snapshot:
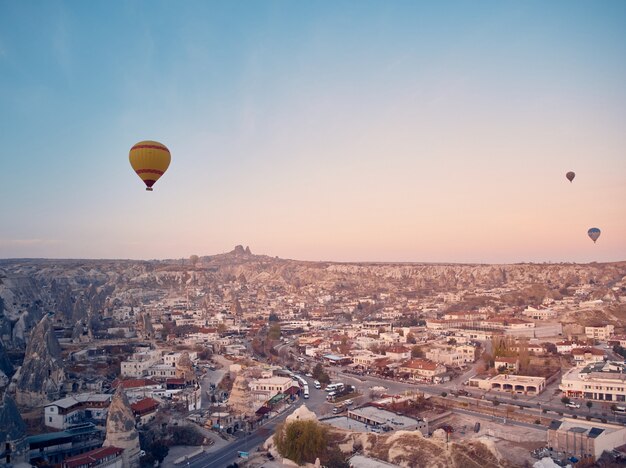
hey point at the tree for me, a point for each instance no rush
(274, 331)
(301, 441)
(319, 374)
(273, 317)
(589, 405)
(194, 260)
(417, 352)
(565, 400)
(410, 338)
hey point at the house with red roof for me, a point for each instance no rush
(109, 457)
(145, 410)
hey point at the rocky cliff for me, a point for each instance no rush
(121, 430)
(41, 377)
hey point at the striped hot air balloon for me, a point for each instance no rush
(150, 160)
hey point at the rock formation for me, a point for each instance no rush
(121, 430)
(41, 377)
(6, 368)
(14, 448)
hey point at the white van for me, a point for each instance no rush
(317, 384)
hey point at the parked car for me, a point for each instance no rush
(571, 404)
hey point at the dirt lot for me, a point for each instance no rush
(521, 440)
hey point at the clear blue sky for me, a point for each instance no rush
(382, 130)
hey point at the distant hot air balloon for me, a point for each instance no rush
(150, 160)
(594, 233)
(570, 175)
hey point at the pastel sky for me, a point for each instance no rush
(316, 130)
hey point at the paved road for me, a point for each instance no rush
(249, 443)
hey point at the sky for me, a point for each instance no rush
(362, 130)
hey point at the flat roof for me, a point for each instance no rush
(382, 416)
(502, 378)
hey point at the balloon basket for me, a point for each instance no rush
(149, 189)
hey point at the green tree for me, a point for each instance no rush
(273, 318)
(274, 331)
(410, 338)
(301, 441)
(320, 375)
(417, 352)
(565, 400)
(589, 405)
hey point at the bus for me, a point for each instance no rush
(620, 409)
(334, 387)
(306, 391)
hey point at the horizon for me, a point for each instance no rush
(397, 132)
(274, 257)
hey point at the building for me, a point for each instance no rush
(139, 363)
(603, 381)
(446, 356)
(584, 356)
(422, 369)
(398, 353)
(600, 332)
(566, 347)
(373, 416)
(539, 314)
(77, 409)
(507, 363)
(145, 410)
(53, 447)
(273, 385)
(171, 359)
(521, 384)
(103, 457)
(336, 360)
(583, 439)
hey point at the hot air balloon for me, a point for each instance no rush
(150, 160)
(570, 175)
(594, 233)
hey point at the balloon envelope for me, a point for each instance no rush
(570, 176)
(594, 233)
(150, 160)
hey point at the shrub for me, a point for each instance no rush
(301, 441)
(537, 421)
(444, 394)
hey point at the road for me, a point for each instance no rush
(212, 377)
(247, 443)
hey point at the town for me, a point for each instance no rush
(200, 361)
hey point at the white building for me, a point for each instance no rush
(138, 363)
(584, 356)
(539, 314)
(273, 385)
(76, 409)
(603, 381)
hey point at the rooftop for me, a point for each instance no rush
(74, 400)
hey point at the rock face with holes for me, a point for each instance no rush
(121, 430)
(14, 447)
(42, 375)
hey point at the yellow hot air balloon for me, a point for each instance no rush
(150, 160)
